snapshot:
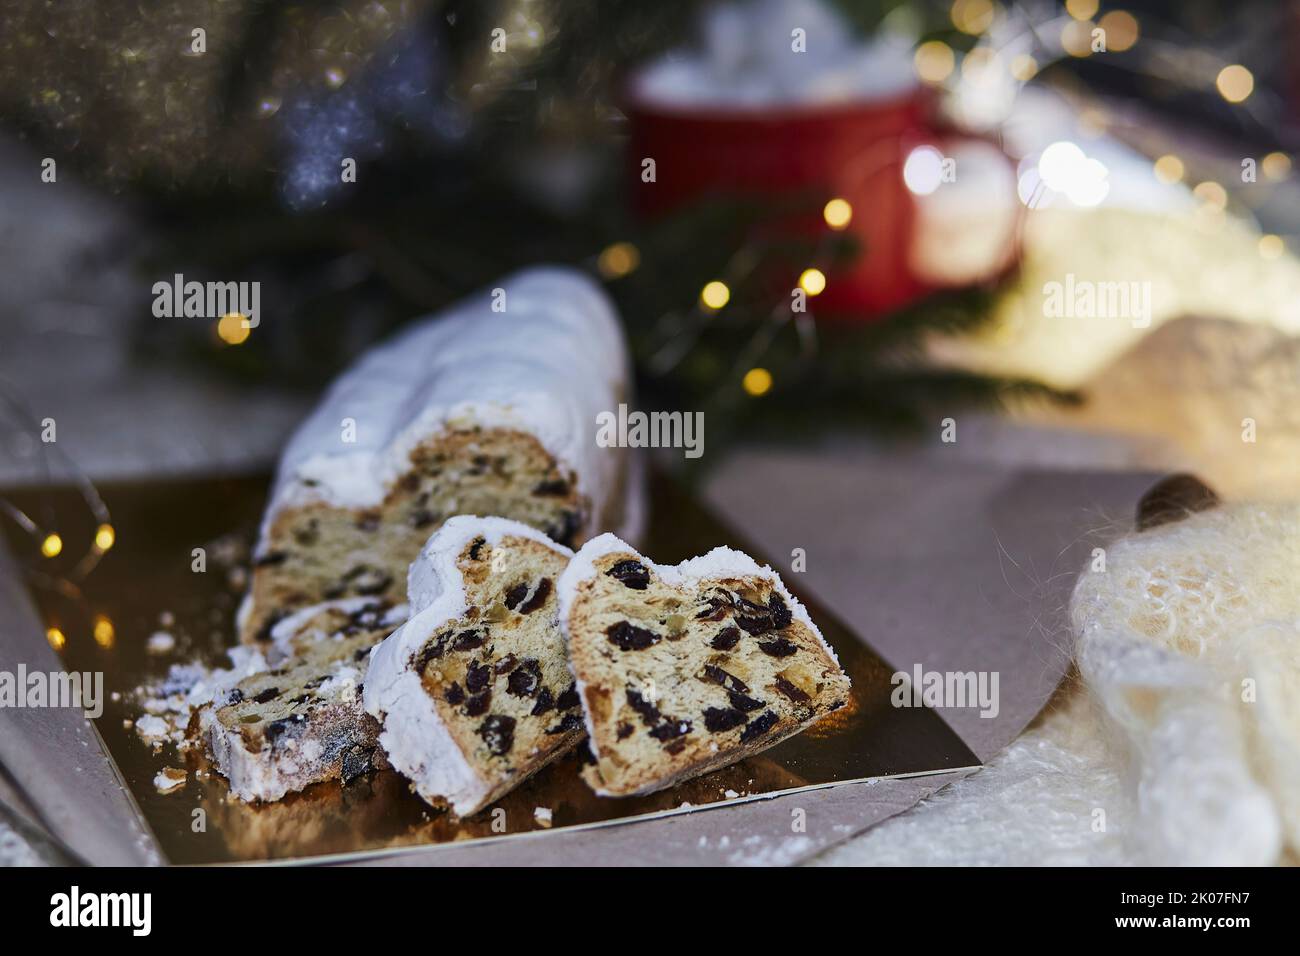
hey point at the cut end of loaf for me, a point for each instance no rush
(301, 722)
(316, 551)
(689, 668)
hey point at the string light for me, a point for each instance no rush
(1076, 38)
(1081, 9)
(105, 537)
(1169, 169)
(50, 545)
(837, 213)
(1235, 83)
(1211, 194)
(812, 281)
(618, 260)
(972, 17)
(1271, 247)
(1093, 122)
(1024, 67)
(934, 62)
(1276, 166)
(104, 631)
(233, 329)
(1121, 30)
(715, 295)
(923, 170)
(757, 381)
(56, 638)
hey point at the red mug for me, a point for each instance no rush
(855, 151)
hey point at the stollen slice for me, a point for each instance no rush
(688, 668)
(474, 691)
(300, 721)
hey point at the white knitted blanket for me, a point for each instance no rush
(1183, 744)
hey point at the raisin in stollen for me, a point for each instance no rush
(685, 669)
(472, 411)
(301, 720)
(474, 691)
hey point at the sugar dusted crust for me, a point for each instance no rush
(474, 692)
(475, 410)
(685, 669)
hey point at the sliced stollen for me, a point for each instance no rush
(685, 669)
(487, 408)
(301, 721)
(474, 691)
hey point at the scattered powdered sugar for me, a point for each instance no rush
(169, 778)
(169, 703)
(341, 683)
(760, 851)
(152, 728)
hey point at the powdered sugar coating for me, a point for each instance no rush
(415, 738)
(292, 630)
(431, 573)
(547, 364)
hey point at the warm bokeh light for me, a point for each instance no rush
(1169, 169)
(1211, 194)
(1093, 122)
(757, 381)
(837, 213)
(1235, 83)
(105, 537)
(1276, 166)
(56, 638)
(978, 61)
(618, 260)
(1271, 247)
(1024, 67)
(934, 61)
(1076, 37)
(1081, 9)
(233, 329)
(52, 546)
(812, 281)
(104, 631)
(1122, 30)
(715, 295)
(972, 16)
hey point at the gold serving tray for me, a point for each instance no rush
(147, 579)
